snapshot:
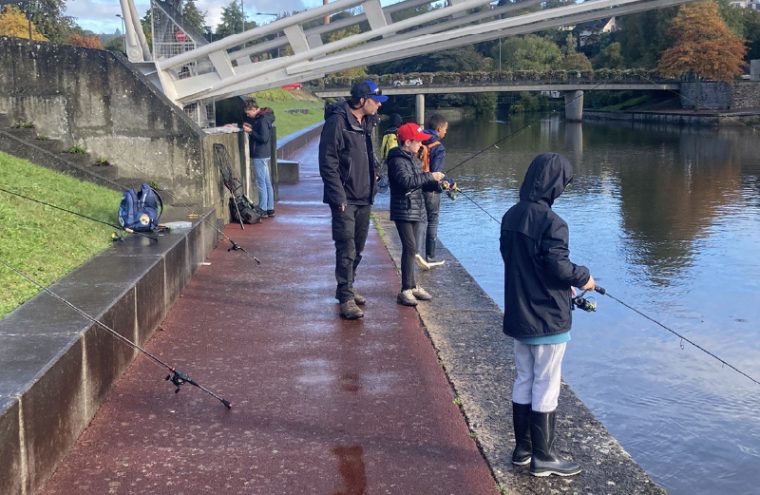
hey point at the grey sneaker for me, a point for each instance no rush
(350, 311)
(421, 294)
(406, 298)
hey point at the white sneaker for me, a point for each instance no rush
(421, 294)
(406, 297)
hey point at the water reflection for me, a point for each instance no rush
(668, 219)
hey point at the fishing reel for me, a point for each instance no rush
(587, 304)
(178, 379)
(451, 188)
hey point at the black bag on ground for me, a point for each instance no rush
(248, 213)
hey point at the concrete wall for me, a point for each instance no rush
(737, 95)
(97, 100)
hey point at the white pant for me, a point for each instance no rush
(539, 372)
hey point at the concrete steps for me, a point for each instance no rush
(24, 142)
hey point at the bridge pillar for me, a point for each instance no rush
(420, 107)
(574, 106)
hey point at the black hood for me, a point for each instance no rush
(266, 113)
(547, 177)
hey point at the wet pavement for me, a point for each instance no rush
(320, 405)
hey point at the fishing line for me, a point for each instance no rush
(118, 227)
(603, 291)
(177, 377)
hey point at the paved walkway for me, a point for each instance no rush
(320, 405)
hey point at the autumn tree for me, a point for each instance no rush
(83, 40)
(704, 45)
(14, 23)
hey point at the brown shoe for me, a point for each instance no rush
(359, 299)
(350, 311)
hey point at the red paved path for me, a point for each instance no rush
(320, 405)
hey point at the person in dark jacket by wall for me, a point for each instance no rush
(258, 125)
(538, 286)
(407, 182)
(347, 167)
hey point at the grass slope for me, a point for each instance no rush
(293, 110)
(43, 242)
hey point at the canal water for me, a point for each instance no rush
(668, 221)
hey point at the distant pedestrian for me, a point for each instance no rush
(347, 167)
(538, 286)
(258, 125)
(407, 183)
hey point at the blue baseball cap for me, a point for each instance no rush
(368, 89)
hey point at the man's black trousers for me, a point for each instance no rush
(349, 231)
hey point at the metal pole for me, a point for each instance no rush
(124, 26)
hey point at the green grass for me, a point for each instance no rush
(41, 241)
(281, 101)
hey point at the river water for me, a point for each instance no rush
(668, 221)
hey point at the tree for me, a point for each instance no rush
(574, 60)
(83, 40)
(233, 21)
(529, 52)
(14, 23)
(644, 36)
(48, 16)
(610, 57)
(194, 17)
(704, 45)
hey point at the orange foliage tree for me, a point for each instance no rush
(14, 23)
(704, 45)
(84, 40)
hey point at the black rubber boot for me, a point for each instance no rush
(544, 461)
(523, 447)
(430, 249)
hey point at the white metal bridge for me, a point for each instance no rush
(299, 48)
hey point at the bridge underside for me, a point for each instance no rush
(301, 47)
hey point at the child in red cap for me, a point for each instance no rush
(407, 181)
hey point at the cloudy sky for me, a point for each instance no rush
(99, 16)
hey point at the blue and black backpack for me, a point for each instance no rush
(140, 210)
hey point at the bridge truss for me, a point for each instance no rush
(299, 48)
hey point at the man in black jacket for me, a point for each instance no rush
(347, 167)
(538, 286)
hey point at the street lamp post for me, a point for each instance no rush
(124, 26)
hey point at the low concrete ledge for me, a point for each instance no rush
(56, 366)
(465, 325)
(288, 171)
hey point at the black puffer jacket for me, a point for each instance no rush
(407, 181)
(346, 160)
(260, 138)
(538, 273)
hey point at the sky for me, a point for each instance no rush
(99, 16)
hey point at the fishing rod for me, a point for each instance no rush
(116, 237)
(177, 377)
(590, 305)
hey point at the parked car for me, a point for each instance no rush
(411, 82)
